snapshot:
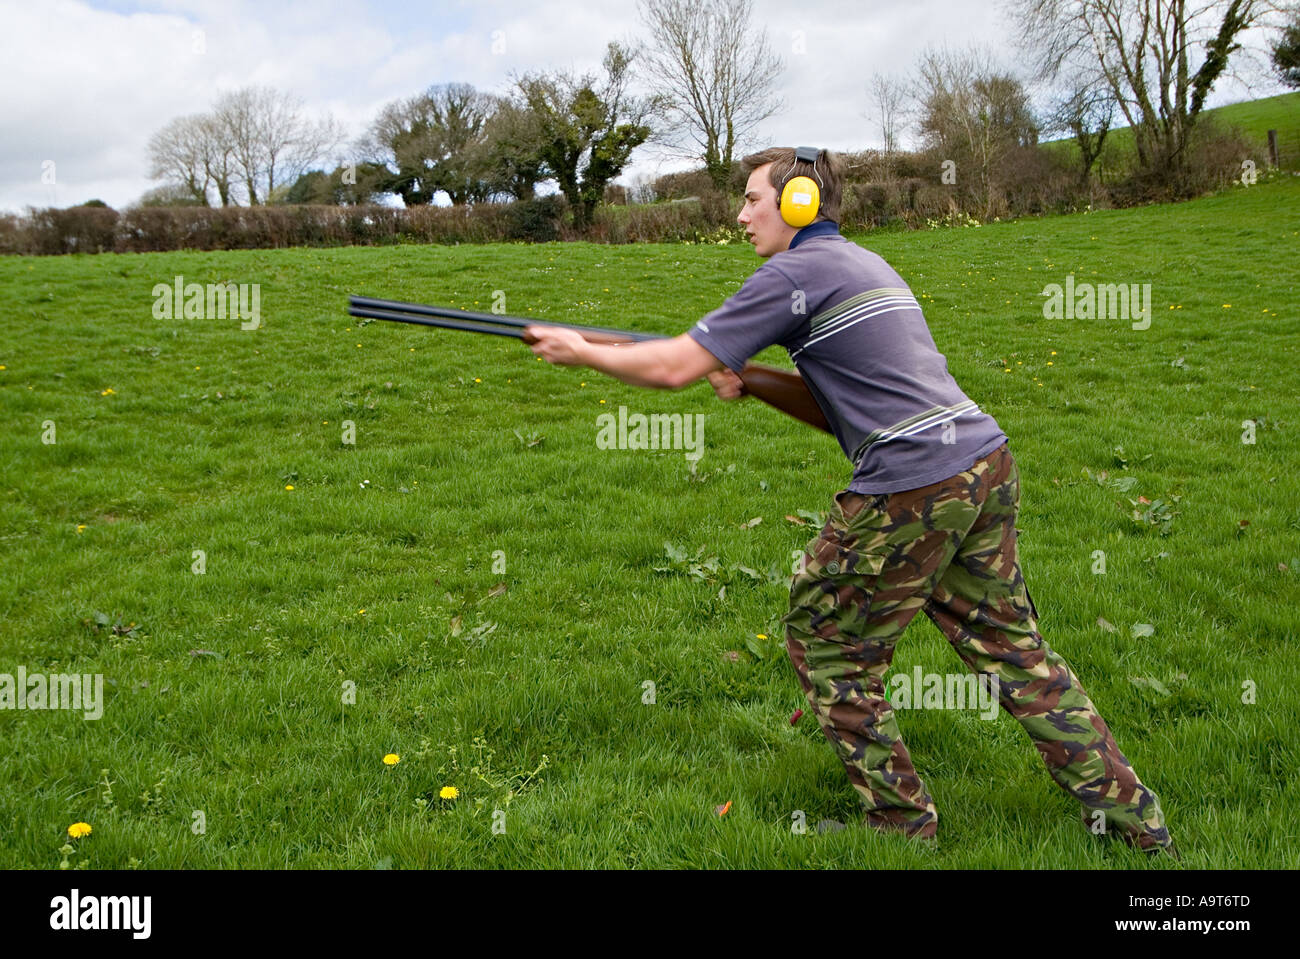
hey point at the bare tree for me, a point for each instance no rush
(1085, 114)
(177, 155)
(218, 158)
(1142, 52)
(715, 74)
(270, 140)
(973, 114)
(888, 108)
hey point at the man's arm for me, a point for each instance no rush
(667, 364)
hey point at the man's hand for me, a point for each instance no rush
(726, 384)
(558, 345)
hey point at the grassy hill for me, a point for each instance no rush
(472, 584)
(1253, 117)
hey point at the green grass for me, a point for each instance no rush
(226, 695)
(1257, 117)
(1253, 117)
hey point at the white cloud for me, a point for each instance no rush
(87, 87)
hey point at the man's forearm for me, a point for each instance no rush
(638, 364)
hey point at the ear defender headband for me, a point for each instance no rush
(801, 198)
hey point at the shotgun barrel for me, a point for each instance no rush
(781, 389)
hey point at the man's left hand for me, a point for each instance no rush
(558, 345)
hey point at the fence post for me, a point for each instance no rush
(1272, 149)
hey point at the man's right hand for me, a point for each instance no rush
(726, 384)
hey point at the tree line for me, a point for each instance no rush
(1092, 64)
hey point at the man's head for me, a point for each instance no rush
(768, 171)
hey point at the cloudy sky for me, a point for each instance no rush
(86, 83)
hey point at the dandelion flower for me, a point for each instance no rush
(288, 487)
(79, 829)
(392, 759)
(477, 380)
(80, 527)
(448, 792)
(761, 635)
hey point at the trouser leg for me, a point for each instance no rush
(984, 609)
(863, 579)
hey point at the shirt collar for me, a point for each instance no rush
(821, 228)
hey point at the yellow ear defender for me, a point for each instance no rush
(802, 197)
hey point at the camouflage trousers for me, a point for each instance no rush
(948, 549)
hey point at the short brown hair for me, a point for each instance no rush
(785, 168)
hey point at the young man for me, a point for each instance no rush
(927, 522)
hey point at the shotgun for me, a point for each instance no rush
(784, 390)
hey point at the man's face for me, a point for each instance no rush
(761, 215)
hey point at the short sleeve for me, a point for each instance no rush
(762, 312)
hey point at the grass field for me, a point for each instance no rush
(1254, 118)
(484, 576)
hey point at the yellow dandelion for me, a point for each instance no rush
(1227, 306)
(288, 487)
(1049, 362)
(477, 380)
(79, 829)
(448, 792)
(360, 611)
(107, 391)
(761, 635)
(602, 401)
(3, 367)
(80, 527)
(392, 759)
(1053, 352)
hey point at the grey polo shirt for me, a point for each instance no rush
(859, 340)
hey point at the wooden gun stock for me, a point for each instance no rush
(784, 390)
